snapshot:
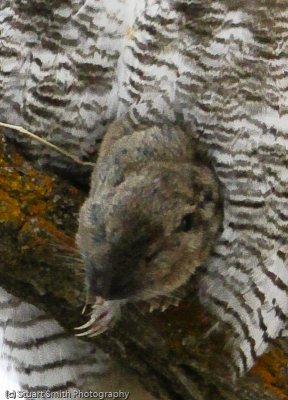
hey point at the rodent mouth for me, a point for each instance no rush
(122, 291)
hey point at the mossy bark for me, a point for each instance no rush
(170, 351)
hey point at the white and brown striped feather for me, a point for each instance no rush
(217, 67)
(39, 354)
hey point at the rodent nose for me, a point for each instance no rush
(111, 287)
(111, 277)
(99, 286)
(120, 289)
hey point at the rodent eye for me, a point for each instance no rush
(187, 222)
(208, 196)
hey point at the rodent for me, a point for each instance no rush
(152, 215)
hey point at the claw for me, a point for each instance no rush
(84, 309)
(87, 324)
(88, 333)
(176, 302)
(99, 332)
(162, 303)
(100, 329)
(102, 316)
(164, 307)
(97, 328)
(91, 300)
(81, 334)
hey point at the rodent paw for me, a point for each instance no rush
(102, 317)
(162, 303)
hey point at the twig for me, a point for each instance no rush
(46, 143)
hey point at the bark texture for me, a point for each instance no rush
(171, 351)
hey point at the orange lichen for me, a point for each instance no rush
(270, 368)
(9, 207)
(29, 205)
(23, 190)
(25, 193)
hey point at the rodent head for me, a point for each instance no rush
(144, 235)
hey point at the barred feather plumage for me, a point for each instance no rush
(218, 68)
(40, 354)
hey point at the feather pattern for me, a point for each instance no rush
(218, 68)
(40, 354)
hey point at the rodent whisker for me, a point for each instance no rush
(158, 294)
(64, 246)
(70, 259)
(70, 256)
(64, 262)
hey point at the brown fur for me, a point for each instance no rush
(152, 215)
